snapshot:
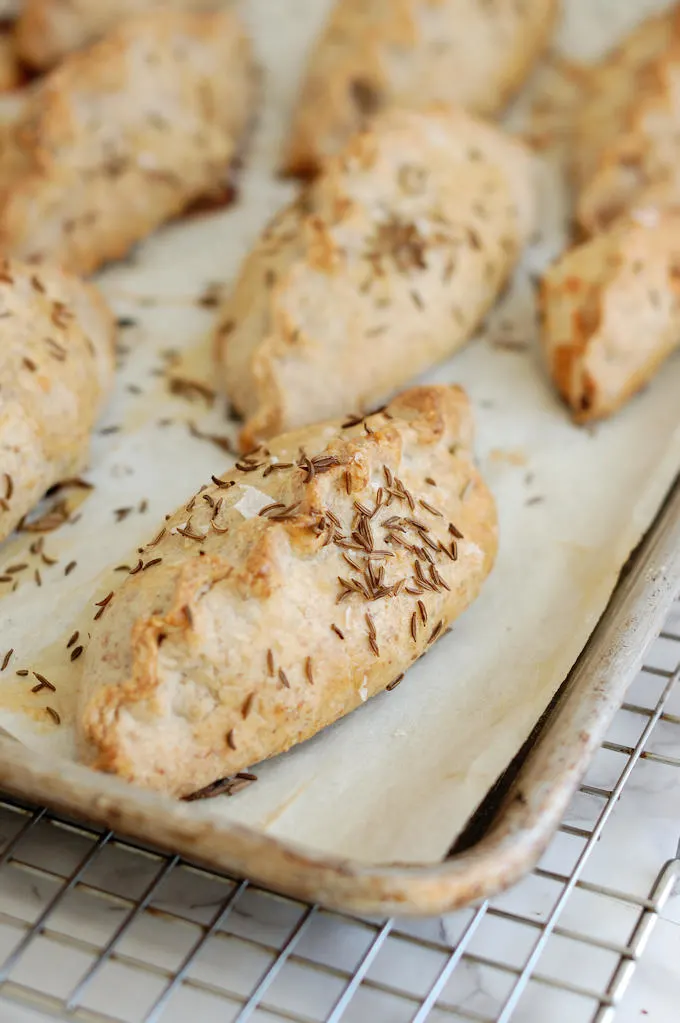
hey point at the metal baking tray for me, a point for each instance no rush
(504, 839)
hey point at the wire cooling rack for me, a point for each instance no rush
(97, 929)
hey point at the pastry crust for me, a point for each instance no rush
(386, 265)
(124, 135)
(626, 149)
(244, 633)
(47, 30)
(56, 369)
(611, 314)
(11, 75)
(374, 54)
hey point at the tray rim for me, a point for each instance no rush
(520, 829)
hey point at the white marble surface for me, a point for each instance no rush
(641, 834)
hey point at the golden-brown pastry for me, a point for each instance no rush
(626, 146)
(123, 136)
(611, 314)
(56, 369)
(386, 265)
(287, 592)
(11, 75)
(47, 30)
(374, 54)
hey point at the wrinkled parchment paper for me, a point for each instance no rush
(397, 779)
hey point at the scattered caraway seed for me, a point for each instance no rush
(223, 787)
(106, 430)
(231, 741)
(69, 568)
(309, 671)
(338, 632)
(247, 705)
(395, 683)
(102, 605)
(454, 531)
(150, 564)
(283, 678)
(73, 639)
(44, 683)
(143, 506)
(53, 714)
(22, 672)
(430, 508)
(534, 500)
(124, 322)
(122, 513)
(76, 652)
(223, 484)
(7, 658)
(436, 632)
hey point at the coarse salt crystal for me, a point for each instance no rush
(252, 502)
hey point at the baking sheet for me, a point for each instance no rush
(398, 779)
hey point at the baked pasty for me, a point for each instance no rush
(611, 313)
(374, 54)
(626, 149)
(56, 368)
(287, 592)
(47, 30)
(386, 265)
(124, 135)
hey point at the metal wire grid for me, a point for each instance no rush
(97, 929)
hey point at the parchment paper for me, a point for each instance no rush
(397, 779)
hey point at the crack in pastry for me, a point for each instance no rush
(47, 30)
(384, 266)
(56, 369)
(611, 314)
(283, 594)
(123, 136)
(375, 54)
